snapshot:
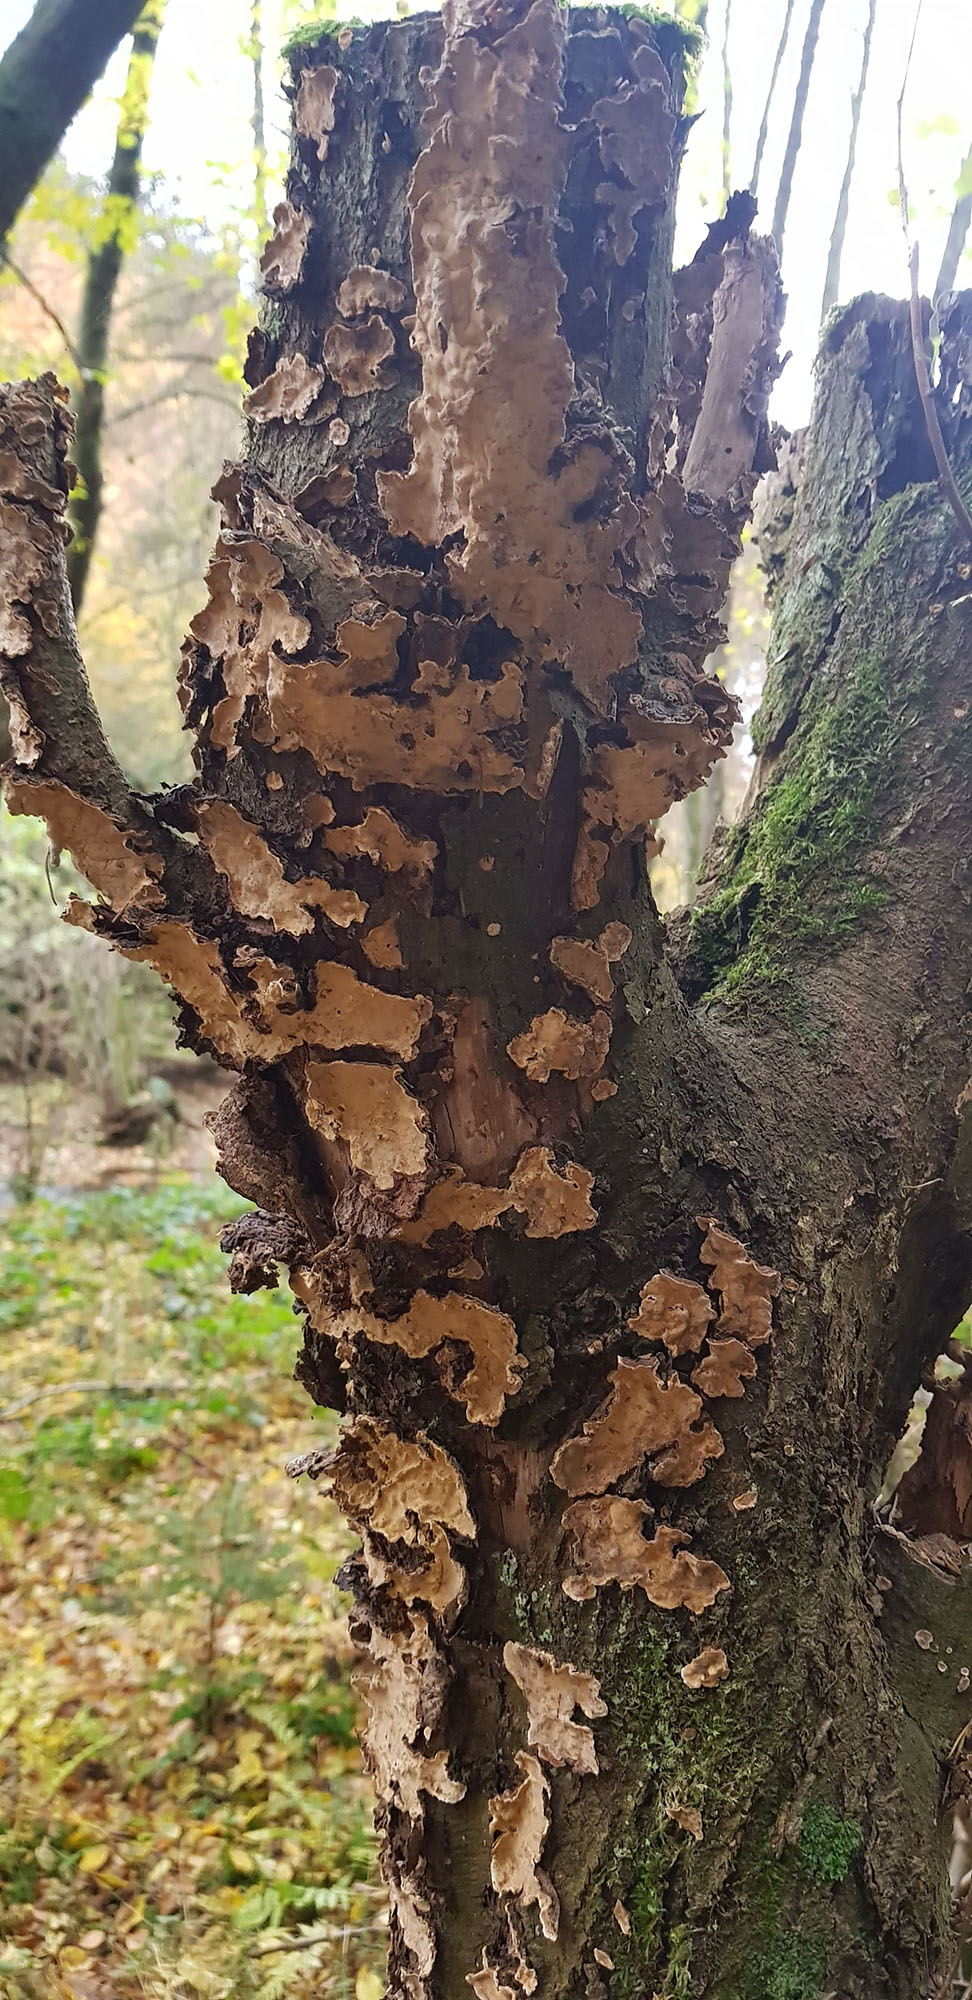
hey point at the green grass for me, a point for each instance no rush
(179, 1777)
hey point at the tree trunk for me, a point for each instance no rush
(45, 76)
(795, 134)
(831, 290)
(770, 94)
(105, 261)
(958, 230)
(623, 1255)
(258, 122)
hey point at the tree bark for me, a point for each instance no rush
(831, 290)
(795, 133)
(621, 1253)
(45, 76)
(105, 261)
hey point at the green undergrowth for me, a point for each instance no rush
(181, 1793)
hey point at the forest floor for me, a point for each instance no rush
(182, 1807)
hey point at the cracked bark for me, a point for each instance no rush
(622, 1252)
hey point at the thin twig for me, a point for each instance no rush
(324, 1934)
(926, 394)
(135, 1390)
(45, 306)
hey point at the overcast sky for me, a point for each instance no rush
(199, 135)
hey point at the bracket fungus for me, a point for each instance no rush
(257, 883)
(643, 1417)
(675, 1311)
(587, 962)
(356, 356)
(283, 253)
(367, 1107)
(314, 105)
(608, 1546)
(554, 1202)
(518, 1823)
(724, 1368)
(707, 1669)
(366, 287)
(553, 1041)
(428, 1321)
(402, 1691)
(552, 1692)
(117, 860)
(287, 392)
(747, 1289)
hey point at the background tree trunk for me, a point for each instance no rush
(784, 189)
(100, 285)
(958, 230)
(623, 1261)
(45, 76)
(831, 290)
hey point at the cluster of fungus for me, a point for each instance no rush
(504, 602)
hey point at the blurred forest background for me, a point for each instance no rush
(182, 1810)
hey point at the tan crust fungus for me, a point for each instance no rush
(554, 1041)
(688, 1818)
(287, 392)
(27, 550)
(402, 1691)
(346, 1013)
(427, 1322)
(496, 383)
(117, 861)
(608, 1546)
(388, 1483)
(518, 1825)
(356, 356)
(368, 287)
(381, 947)
(635, 134)
(552, 1692)
(256, 877)
(245, 619)
(724, 1368)
(642, 1416)
(439, 742)
(283, 253)
(487, 1984)
(747, 1289)
(673, 1310)
(382, 840)
(555, 1204)
(314, 107)
(409, 1493)
(367, 1107)
(707, 1669)
(587, 963)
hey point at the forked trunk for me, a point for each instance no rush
(623, 1262)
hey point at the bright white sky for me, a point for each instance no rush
(200, 134)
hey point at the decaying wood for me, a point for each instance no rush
(615, 1273)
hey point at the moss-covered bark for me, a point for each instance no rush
(622, 1278)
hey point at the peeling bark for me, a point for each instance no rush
(622, 1255)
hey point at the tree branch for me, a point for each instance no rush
(45, 76)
